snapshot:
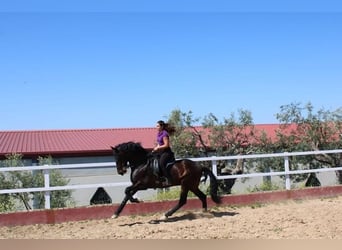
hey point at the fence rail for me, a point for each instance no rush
(287, 172)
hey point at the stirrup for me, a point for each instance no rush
(165, 181)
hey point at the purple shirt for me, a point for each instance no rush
(160, 137)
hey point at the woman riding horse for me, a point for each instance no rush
(185, 173)
(163, 149)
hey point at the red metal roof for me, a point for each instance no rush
(82, 141)
(78, 141)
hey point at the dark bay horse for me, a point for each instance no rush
(185, 173)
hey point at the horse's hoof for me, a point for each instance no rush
(164, 217)
(114, 216)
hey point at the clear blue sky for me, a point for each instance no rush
(78, 64)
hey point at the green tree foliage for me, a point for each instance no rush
(187, 140)
(28, 179)
(59, 198)
(232, 136)
(7, 202)
(304, 129)
(15, 180)
(301, 129)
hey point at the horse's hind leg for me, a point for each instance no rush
(181, 202)
(202, 197)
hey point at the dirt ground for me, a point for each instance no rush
(307, 219)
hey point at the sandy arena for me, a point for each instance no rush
(306, 219)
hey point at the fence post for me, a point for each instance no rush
(47, 185)
(214, 166)
(287, 171)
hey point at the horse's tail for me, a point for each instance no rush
(213, 185)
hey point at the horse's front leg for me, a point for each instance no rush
(131, 198)
(119, 209)
(129, 192)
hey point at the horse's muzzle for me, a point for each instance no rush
(122, 171)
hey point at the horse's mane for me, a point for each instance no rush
(130, 146)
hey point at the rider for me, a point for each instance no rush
(163, 148)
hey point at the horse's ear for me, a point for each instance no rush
(114, 148)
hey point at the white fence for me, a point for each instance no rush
(47, 188)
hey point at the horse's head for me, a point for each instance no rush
(127, 155)
(120, 160)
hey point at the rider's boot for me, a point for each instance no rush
(165, 179)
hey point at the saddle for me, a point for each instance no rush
(156, 168)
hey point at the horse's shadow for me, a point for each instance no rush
(131, 224)
(188, 216)
(192, 216)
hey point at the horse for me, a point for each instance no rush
(183, 172)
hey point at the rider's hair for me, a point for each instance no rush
(166, 126)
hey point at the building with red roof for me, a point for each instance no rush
(70, 145)
(76, 142)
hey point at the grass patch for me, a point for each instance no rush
(265, 186)
(173, 193)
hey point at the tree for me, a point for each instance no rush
(187, 141)
(230, 137)
(7, 202)
(301, 129)
(58, 198)
(15, 180)
(304, 129)
(233, 136)
(28, 179)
